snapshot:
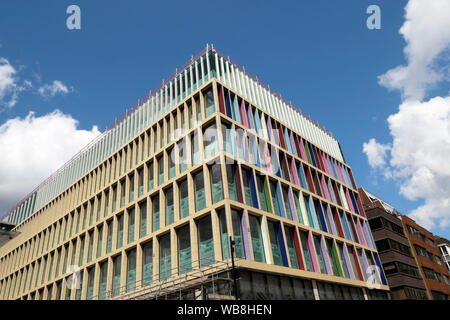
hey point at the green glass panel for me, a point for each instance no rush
(120, 232)
(165, 268)
(275, 244)
(147, 270)
(247, 190)
(257, 242)
(275, 202)
(184, 258)
(99, 242)
(320, 256)
(261, 193)
(209, 103)
(224, 238)
(131, 226)
(291, 247)
(143, 222)
(184, 207)
(297, 206)
(200, 199)
(206, 249)
(231, 177)
(109, 238)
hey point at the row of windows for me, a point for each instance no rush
(390, 244)
(252, 118)
(417, 233)
(252, 149)
(381, 222)
(129, 156)
(431, 274)
(408, 293)
(426, 254)
(304, 250)
(255, 190)
(119, 163)
(102, 202)
(395, 267)
(120, 190)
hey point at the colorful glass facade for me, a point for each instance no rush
(217, 154)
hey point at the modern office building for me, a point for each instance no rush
(147, 209)
(400, 267)
(444, 246)
(429, 259)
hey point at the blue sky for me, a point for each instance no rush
(318, 54)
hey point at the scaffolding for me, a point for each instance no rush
(207, 281)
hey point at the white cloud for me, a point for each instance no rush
(50, 90)
(34, 147)
(376, 153)
(419, 155)
(8, 83)
(427, 34)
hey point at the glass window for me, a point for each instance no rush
(331, 248)
(195, 149)
(211, 145)
(110, 226)
(224, 238)
(257, 241)
(131, 270)
(147, 263)
(122, 193)
(155, 213)
(205, 241)
(209, 103)
(199, 189)
(150, 176)
(165, 264)
(184, 199)
(263, 193)
(320, 254)
(131, 223)
(184, 250)
(232, 183)
(171, 155)
(276, 204)
(275, 243)
(287, 204)
(246, 176)
(182, 155)
(81, 256)
(119, 231)
(103, 280)
(160, 170)
(143, 219)
(140, 182)
(117, 265)
(99, 241)
(114, 199)
(90, 287)
(191, 115)
(226, 136)
(306, 251)
(90, 249)
(155, 139)
(198, 108)
(290, 239)
(169, 206)
(216, 183)
(236, 218)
